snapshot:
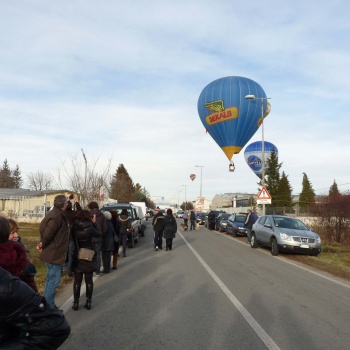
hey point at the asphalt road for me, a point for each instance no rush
(211, 292)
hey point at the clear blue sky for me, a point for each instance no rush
(121, 79)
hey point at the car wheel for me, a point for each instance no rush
(274, 247)
(234, 233)
(253, 241)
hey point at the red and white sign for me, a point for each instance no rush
(264, 197)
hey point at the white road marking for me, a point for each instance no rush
(243, 311)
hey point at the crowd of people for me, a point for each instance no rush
(81, 240)
(70, 237)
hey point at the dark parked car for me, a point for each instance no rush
(134, 219)
(221, 222)
(285, 234)
(235, 224)
(200, 218)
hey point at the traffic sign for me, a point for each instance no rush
(264, 197)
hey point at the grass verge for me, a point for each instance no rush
(30, 237)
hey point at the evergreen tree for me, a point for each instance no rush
(16, 174)
(122, 187)
(307, 195)
(334, 193)
(284, 193)
(6, 179)
(273, 176)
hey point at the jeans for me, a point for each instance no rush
(249, 234)
(193, 226)
(122, 239)
(158, 239)
(97, 248)
(53, 280)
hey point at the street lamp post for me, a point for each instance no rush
(185, 196)
(178, 198)
(253, 97)
(200, 188)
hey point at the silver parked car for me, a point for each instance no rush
(285, 234)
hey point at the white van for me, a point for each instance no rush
(142, 218)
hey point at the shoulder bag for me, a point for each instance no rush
(84, 253)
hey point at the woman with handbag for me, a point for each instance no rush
(84, 261)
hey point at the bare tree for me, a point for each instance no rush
(85, 177)
(40, 181)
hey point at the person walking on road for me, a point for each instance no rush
(192, 220)
(170, 229)
(83, 230)
(124, 222)
(211, 220)
(108, 243)
(158, 227)
(185, 218)
(54, 235)
(248, 225)
(97, 241)
(116, 227)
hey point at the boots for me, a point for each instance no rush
(89, 290)
(76, 293)
(115, 261)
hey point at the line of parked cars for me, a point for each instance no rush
(278, 232)
(137, 218)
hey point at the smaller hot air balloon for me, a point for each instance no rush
(253, 155)
(192, 176)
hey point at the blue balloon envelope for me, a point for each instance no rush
(229, 118)
(253, 155)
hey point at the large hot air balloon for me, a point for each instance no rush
(253, 155)
(229, 118)
(192, 176)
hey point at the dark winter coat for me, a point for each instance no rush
(170, 227)
(54, 235)
(108, 238)
(26, 320)
(101, 221)
(116, 225)
(84, 232)
(192, 216)
(211, 217)
(158, 222)
(249, 221)
(124, 224)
